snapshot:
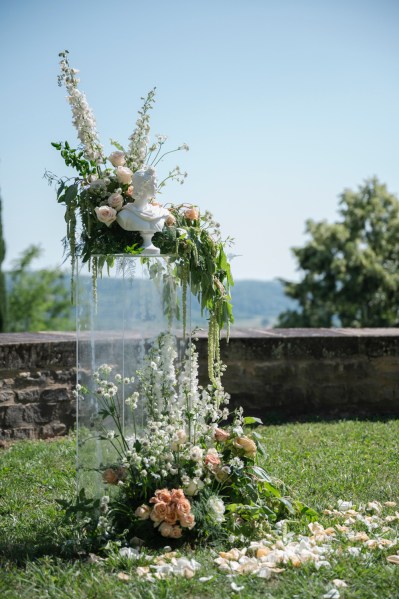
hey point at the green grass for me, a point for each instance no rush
(321, 463)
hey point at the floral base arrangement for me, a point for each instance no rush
(192, 473)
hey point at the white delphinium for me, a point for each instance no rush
(139, 140)
(83, 117)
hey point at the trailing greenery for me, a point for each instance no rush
(351, 274)
(313, 456)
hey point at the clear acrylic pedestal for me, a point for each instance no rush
(135, 302)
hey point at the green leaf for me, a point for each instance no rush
(71, 193)
(261, 474)
(252, 420)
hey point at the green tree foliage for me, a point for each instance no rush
(38, 300)
(351, 274)
(3, 298)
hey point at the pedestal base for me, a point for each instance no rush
(149, 248)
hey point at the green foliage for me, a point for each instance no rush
(3, 297)
(39, 300)
(351, 275)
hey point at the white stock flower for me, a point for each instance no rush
(217, 506)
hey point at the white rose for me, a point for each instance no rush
(117, 158)
(115, 200)
(106, 215)
(123, 174)
(216, 505)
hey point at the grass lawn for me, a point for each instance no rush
(321, 462)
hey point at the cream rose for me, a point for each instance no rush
(123, 174)
(165, 529)
(105, 214)
(247, 445)
(176, 532)
(187, 521)
(143, 512)
(170, 220)
(115, 200)
(117, 158)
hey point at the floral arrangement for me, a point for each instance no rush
(101, 192)
(189, 471)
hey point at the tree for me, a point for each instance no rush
(3, 298)
(37, 300)
(351, 274)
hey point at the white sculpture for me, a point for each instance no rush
(140, 215)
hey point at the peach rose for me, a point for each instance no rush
(247, 445)
(161, 495)
(165, 529)
(105, 214)
(159, 511)
(123, 174)
(183, 507)
(143, 512)
(129, 191)
(115, 200)
(187, 521)
(117, 158)
(170, 220)
(171, 514)
(177, 495)
(212, 458)
(191, 213)
(110, 476)
(176, 532)
(220, 435)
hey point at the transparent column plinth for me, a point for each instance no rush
(136, 301)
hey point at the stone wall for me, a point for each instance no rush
(37, 375)
(273, 374)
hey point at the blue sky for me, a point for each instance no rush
(283, 104)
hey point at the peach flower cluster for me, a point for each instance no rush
(169, 509)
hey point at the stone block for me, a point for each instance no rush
(7, 395)
(14, 416)
(55, 393)
(28, 395)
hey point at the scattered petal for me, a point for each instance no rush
(393, 559)
(123, 576)
(205, 578)
(236, 588)
(339, 583)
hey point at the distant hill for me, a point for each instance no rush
(255, 303)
